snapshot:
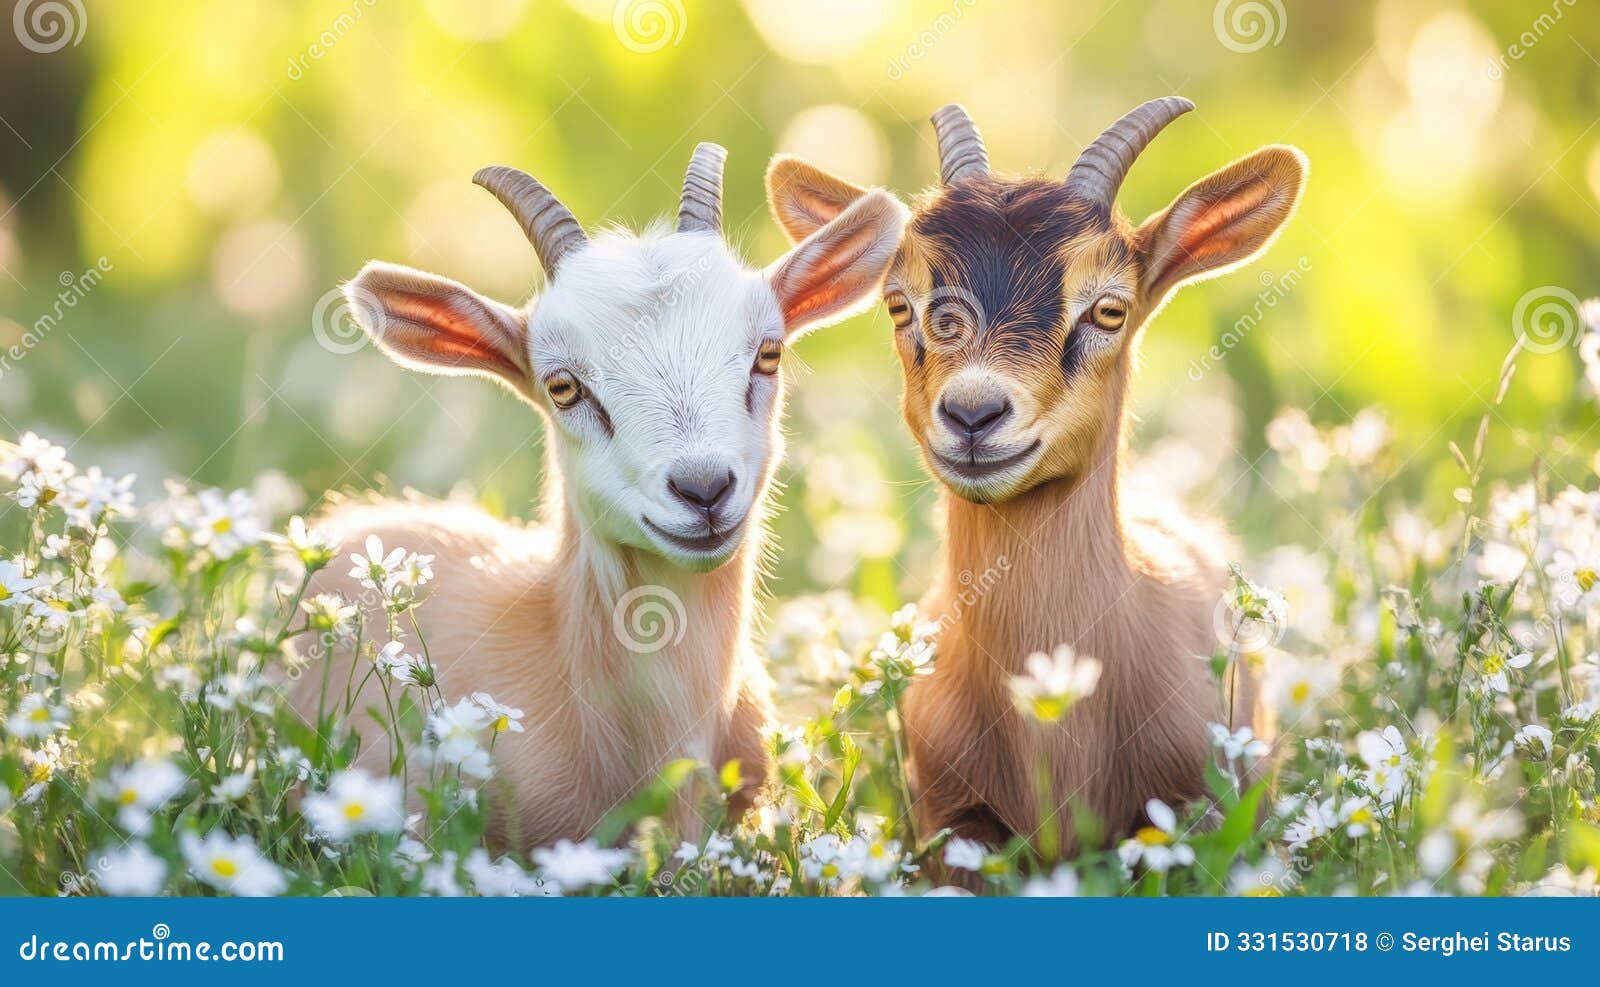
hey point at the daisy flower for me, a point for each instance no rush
(964, 853)
(501, 716)
(310, 545)
(1053, 683)
(1495, 668)
(35, 718)
(374, 569)
(574, 866)
(354, 803)
(141, 788)
(1060, 883)
(233, 865)
(131, 871)
(1157, 846)
(16, 586)
(1534, 741)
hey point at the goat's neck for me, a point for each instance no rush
(624, 609)
(1052, 561)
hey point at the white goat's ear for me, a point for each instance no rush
(835, 271)
(1223, 220)
(437, 325)
(804, 198)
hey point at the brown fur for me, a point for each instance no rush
(1129, 582)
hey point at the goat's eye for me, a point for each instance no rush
(1108, 314)
(564, 389)
(768, 356)
(899, 309)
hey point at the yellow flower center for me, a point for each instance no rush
(1494, 664)
(40, 715)
(502, 724)
(1300, 691)
(1361, 816)
(222, 525)
(224, 867)
(1151, 836)
(127, 796)
(5, 594)
(353, 811)
(1586, 580)
(830, 870)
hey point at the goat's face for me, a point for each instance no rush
(657, 358)
(1017, 303)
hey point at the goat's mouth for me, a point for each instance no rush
(701, 547)
(969, 467)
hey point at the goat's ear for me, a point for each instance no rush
(803, 197)
(1221, 221)
(835, 272)
(439, 326)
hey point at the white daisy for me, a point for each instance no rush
(233, 865)
(131, 871)
(1053, 683)
(355, 802)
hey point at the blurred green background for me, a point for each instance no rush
(224, 166)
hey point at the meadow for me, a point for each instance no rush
(1393, 412)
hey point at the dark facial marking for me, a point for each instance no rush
(999, 241)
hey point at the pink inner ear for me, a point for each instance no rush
(820, 285)
(1201, 238)
(455, 337)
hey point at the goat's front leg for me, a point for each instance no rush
(743, 740)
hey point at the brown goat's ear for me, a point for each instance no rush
(1221, 221)
(803, 197)
(836, 271)
(433, 324)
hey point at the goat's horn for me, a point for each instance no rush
(961, 150)
(1102, 166)
(550, 226)
(700, 207)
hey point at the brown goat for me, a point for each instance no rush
(1017, 305)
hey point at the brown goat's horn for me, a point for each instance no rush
(1102, 166)
(961, 150)
(700, 207)
(549, 225)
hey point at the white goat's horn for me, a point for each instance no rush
(700, 207)
(549, 225)
(1102, 166)
(961, 150)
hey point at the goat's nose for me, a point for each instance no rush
(700, 488)
(974, 419)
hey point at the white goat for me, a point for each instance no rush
(621, 622)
